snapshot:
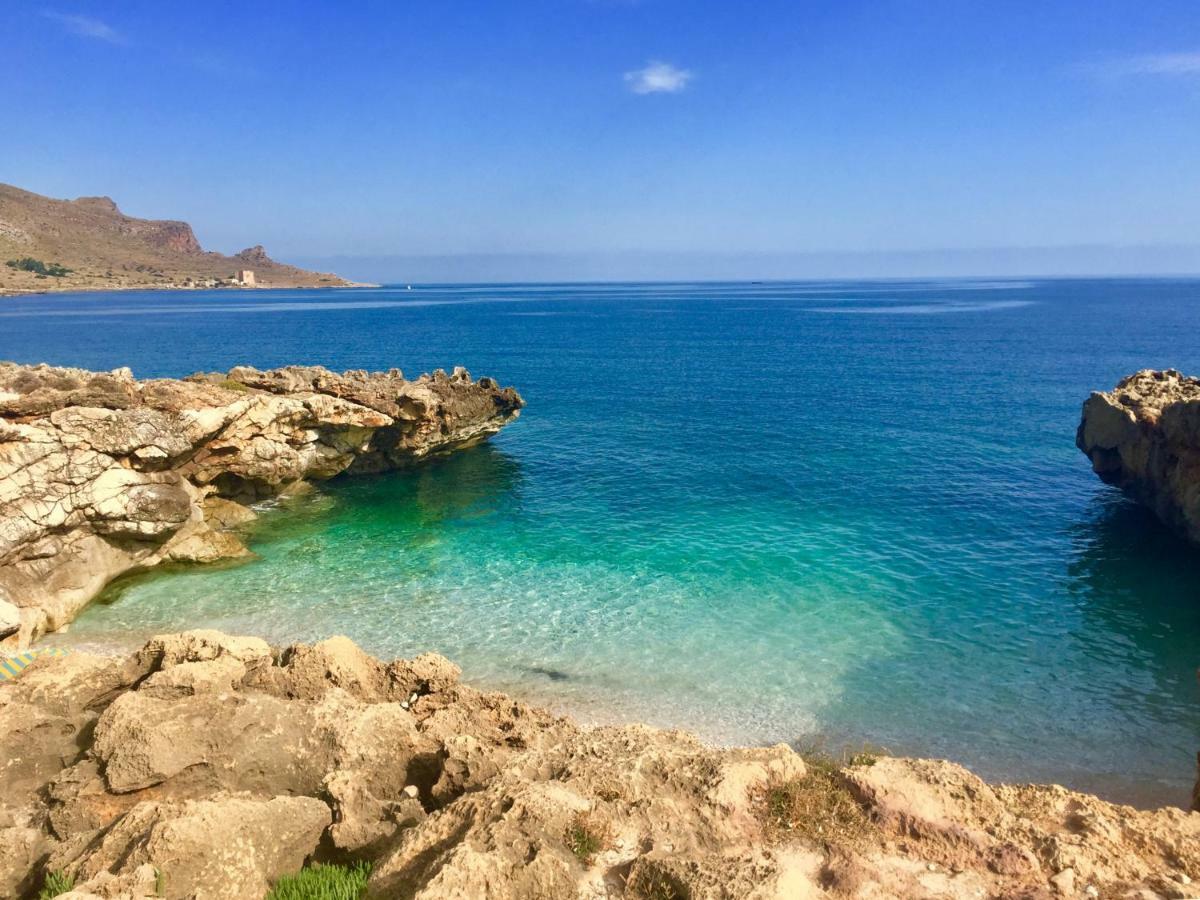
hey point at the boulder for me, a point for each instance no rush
(1144, 438)
(224, 848)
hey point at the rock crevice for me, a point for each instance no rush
(102, 474)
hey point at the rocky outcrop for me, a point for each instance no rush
(1144, 437)
(207, 766)
(256, 254)
(101, 474)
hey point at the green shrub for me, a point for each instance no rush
(321, 882)
(29, 264)
(586, 836)
(56, 883)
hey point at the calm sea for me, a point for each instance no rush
(849, 512)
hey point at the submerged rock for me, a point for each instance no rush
(208, 766)
(101, 474)
(1144, 437)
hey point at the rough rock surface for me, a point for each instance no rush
(207, 766)
(1144, 437)
(101, 474)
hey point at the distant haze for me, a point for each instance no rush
(648, 266)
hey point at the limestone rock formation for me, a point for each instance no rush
(1144, 437)
(207, 766)
(101, 474)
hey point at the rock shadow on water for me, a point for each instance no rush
(1135, 585)
(402, 522)
(1138, 580)
(389, 522)
(464, 486)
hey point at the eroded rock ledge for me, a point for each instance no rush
(207, 766)
(101, 474)
(1144, 437)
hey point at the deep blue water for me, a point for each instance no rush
(763, 512)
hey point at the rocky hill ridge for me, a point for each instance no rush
(104, 249)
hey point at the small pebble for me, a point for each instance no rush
(1091, 891)
(411, 791)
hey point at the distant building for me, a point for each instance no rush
(245, 277)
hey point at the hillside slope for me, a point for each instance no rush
(104, 249)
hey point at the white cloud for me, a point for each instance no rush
(1153, 64)
(658, 78)
(85, 26)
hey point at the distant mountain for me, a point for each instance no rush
(89, 244)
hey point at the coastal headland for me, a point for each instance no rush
(88, 244)
(102, 474)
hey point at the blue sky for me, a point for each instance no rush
(602, 129)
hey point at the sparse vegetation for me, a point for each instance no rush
(323, 882)
(586, 836)
(29, 264)
(651, 883)
(230, 385)
(864, 757)
(56, 883)
(818, 808)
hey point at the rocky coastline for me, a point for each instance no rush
(102, 474)
(1144, 438)
(209, 766)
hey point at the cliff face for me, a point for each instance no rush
(101, 474)
(208, 766)
(106, 249)
(1144, 437)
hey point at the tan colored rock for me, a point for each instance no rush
(10, 618)
(1144, 437)
(101, 474)
(209, 765)
(226, 847)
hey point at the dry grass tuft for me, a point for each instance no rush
(587, 835)
(648, 882)
(818, 808)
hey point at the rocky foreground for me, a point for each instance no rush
(101, 474)
(208, 766)
(1144, 437)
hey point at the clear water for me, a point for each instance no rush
(763, 512)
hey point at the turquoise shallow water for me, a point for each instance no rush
(763, 512)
